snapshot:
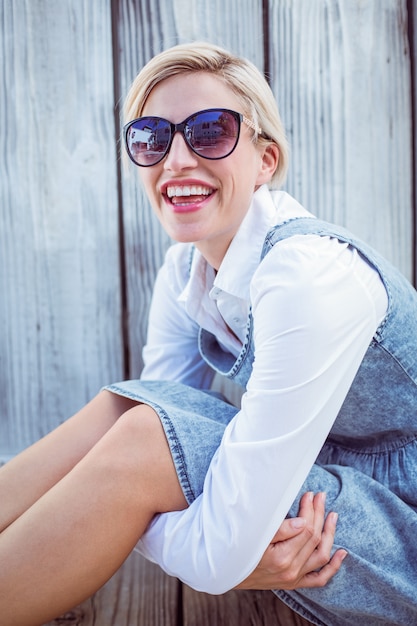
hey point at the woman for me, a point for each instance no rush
(316, 327)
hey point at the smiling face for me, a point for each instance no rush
(196, 199)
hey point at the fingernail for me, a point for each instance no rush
(344, 556)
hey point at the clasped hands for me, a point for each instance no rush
(299, 554)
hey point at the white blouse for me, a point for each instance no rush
(316, 305)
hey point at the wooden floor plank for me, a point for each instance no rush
(237, 608)
(140, 594)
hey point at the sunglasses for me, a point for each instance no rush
(211, 134)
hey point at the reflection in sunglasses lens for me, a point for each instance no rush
(213, 134)
(148, 140)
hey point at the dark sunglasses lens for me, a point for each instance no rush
(147, 140)
(213, 134)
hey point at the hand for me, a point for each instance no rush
(299, 553)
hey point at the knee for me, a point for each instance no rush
(113, 404)
(141, 426)
(135, 435)
(141, 451)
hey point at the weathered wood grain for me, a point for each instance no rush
(341, 73)
(237, 608)
(140, 594)
(59, 267)
(340, 70)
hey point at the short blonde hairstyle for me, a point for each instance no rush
(243, 78)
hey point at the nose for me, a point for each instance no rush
(180, 155)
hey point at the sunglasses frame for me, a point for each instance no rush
(180, 128)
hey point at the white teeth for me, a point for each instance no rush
(188, 190)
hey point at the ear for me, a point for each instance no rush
(269, 163)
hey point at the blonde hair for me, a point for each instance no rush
(242, 76)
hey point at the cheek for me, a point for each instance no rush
(144, 177)
(148, 181)
(248, 163)
(246, 174)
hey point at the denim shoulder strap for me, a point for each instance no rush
(395, 283)
(392, 353)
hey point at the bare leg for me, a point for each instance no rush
(67, 545)
(29, 475)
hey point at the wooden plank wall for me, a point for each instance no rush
(79, 246)
(59, 247)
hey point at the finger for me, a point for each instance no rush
(289, 528)
(328, 534)
(294, 548)
(306, 507)
(293, 554)
(310, 557)
(292, 527)
(322, 577)
(321, 554)
(319, 504)
(315, 523)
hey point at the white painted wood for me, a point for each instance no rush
(59, 275)
(144, 30)
(341, 74)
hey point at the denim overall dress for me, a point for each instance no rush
(367, 467)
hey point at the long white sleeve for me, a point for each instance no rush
(315, 308)
(171, 351)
